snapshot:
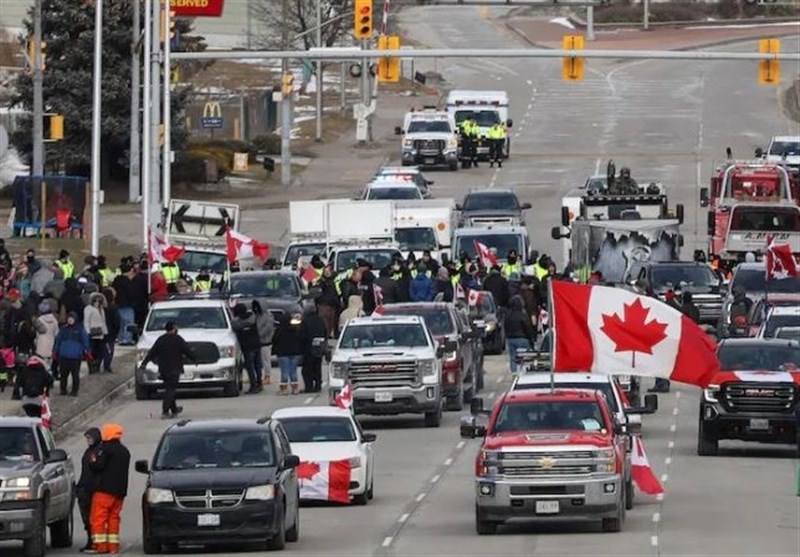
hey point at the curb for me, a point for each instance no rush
(67, 428)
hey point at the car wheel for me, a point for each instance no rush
(36, 545)
(278, 541)
(149, 546)
(371, 490)
(142, 392)
(293, 533)
(361, 499)
(433, 419)
(454, 166)
(629, 493)
(233, 389)
(61, 531)
(707, 445)
(456, 402)
(482, 526)
(614, 524)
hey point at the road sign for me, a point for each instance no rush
(197, 220)
(197, 8)
(212, 116)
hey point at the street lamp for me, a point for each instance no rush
(96, 123)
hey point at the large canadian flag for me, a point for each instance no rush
(780, 261)
(485, 255)
(641, 473)
(614, 331)
(243, 247)
(325, 481)
(159, 251)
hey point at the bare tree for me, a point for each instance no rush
(301, 22)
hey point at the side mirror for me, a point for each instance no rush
(450, 346)
(291, 461)
(564, 216)
(651, 403)
(479, 332)
(368, 438)
(57, 455)
(476, 405)
(555, 233)
(430, 182)
(679, 212)
(459, 207)
(712, 222)
(759, 152)
(398, 130)
(620, 429)
(704, 197)
(142, 467)
(509, 123)
(470, 429)
(526, 206)
(439, 352)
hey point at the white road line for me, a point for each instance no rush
(668, 460)
(671, 445)
(499, 379)
(664, 478)
(461, 444)
(436, 478)
(387, 541)
(654, 541)
(518, 134)
(660, 497)
(675, 411)
(656, 517)
(499, 78)
(448, 462)
(529, 82)
(403, 518)
(309, 400)
(677, 394)
(490, 394)
(530, 105)
(421, 496)
(672, 428)
(324, 384)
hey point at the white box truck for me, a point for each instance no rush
(360, 230)
(424, 225)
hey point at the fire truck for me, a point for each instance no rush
(748, 202)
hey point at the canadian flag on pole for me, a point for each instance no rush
(460, 294)
(325, 481)
(344, 399)
(780, 261)
(378, 293)
(473, 298)
(641, 473)
(486, 257)
(242, 247)
(309, 275)
(47, 414)
(159, 251)
(614, 331)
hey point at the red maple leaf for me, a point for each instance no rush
(307, 470)
(633, 334)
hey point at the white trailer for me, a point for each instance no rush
(361, 230)
(425, 225)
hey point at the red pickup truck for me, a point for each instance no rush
(548, 455)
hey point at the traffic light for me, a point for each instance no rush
(56, 126)
(572, 67)
(769, 71)
(389, 68)
(172, 23)
(362, 26)
(287, 84)
(32, 53)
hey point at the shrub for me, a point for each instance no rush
(269, 144)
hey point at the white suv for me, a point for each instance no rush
(779, 317)
(430, 139)
(206, 324)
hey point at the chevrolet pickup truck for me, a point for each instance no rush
(554, 455)
(37, 487)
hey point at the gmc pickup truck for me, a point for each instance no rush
(37, 487)
(558, 454)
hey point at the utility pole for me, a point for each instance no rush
(97, 106)
(590, 23)
(166, 158)
(646, 15)
(146, 127)
(155, 115)
(38, 95)
(319, 72)
(134, 176)
(286, 105)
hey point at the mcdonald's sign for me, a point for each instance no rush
(212, 116)
(197, 8)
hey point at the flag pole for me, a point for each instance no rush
(552, 322)
(149, 257)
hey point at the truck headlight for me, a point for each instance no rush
(487, 463)
(607, 460)
(452, 143)
(338, 370)
(408, 144)
(355, 462)
(18, 483)
(260, 493)
(141, 354)
(227, 351)
(711, 392)
(491, 327)
(427, 368)
(157, 495)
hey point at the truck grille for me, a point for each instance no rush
(758, 397)
(709, 306)
(383, 374)
(205, 352)
(208, 498)
(425, 146)
(496, 221)
(545, 464)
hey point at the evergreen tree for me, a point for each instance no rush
(68, 31)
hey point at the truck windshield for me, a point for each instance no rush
(264, 286)
(18, 444)
(775, 322)
(501, 243)
(318, 429)
(767, 219)
(754, 186)
(382, 335)
(492, 202)
(416, 239)
(377, 258)
(423, 126)
(604, 388)
(196, 261)
(187, 318)
(384, 193)
(484, 118)
(215, 449)
(754, 280)
(747, 357)
(664, 276)
(549, 416)
(296, 251)
(785, 148)
(438, 320)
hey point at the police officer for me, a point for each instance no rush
(475, 134)
(203, 281)
(466, 143)
(106, 275)
(512, 264)
(497, 139)
(172, 273)
(65, 264)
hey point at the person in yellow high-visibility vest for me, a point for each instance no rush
(497, 139)
(512, 264)
(106, 275)
(171, 272)
(203, 281)
(65, 264)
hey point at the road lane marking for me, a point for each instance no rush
(654, 541)
(403, 518)
(656, 517)
(672, 428)
(436, 478)
(461, 444)
(490, 394)
(309, 400)
(597, 166)
(675, 411)
(448, 462)
(530, 106)
(421, 496)
(677, 394)
(660, 497)
(671, 445)
(668, 460)
(664, 478)
(387, 541)
(499, 379)
(529, 82)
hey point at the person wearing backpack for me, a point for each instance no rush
(35, 383)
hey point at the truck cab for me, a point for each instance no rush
(500, 239)
(429, 139)
(742, 227)
(549, 455)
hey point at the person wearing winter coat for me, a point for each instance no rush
(113, 324)
(520, 334)
(288, 347)
(421, 288)
(497, 284)
(126, 300)
(87, 483)
(46, 326)
(328, 303)
(355, 308)
(94, 321)
(442, 285)
(71, 345)
(246, 329)
(387, 286)
(169, 351)
(71, 300)
(112, 465)
(34, 384)
(315, 340)
(159, 290)
(265, 324)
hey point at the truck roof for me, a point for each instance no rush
(552, 396)
(490, 230)
(542, 378)
(386, 319)
(18, 421)
(476, 95)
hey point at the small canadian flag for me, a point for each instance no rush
(474, 298)
(460, 292)
(159, 251)
(641, 473)
(486, 257)
(344, 399)
(243, 247)
(325, 481)
(47, 414)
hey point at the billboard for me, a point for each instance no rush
(197, 8)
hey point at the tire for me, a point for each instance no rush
(142, 392)
(453, 166)
(707, 445)
(36, 546)
(456, 402)
(615, 524)
(150, 546)
(234, 388)
(371, 491)
(278, 541)
(482, 526)
(62, 530)
(433, 419)
(362, 499)
(469, 394)
(293, 533)
(629, 494)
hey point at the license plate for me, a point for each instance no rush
(188, 375)
(383, 397)
(208, 520)
(759, 423)
(547, 507)
(430, 161)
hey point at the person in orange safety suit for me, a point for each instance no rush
(111, 463)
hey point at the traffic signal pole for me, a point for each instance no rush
(135, 153)
(166, 156)
(37, 167)
(97, 121)
(155, 113)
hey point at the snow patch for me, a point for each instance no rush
(748, 25)
(10, 167)
(563, 21)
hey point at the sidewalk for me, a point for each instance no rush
(547, 34)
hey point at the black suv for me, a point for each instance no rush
(462, 369)
(221, 481)
(493, 207)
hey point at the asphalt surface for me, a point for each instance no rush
(666, 120)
